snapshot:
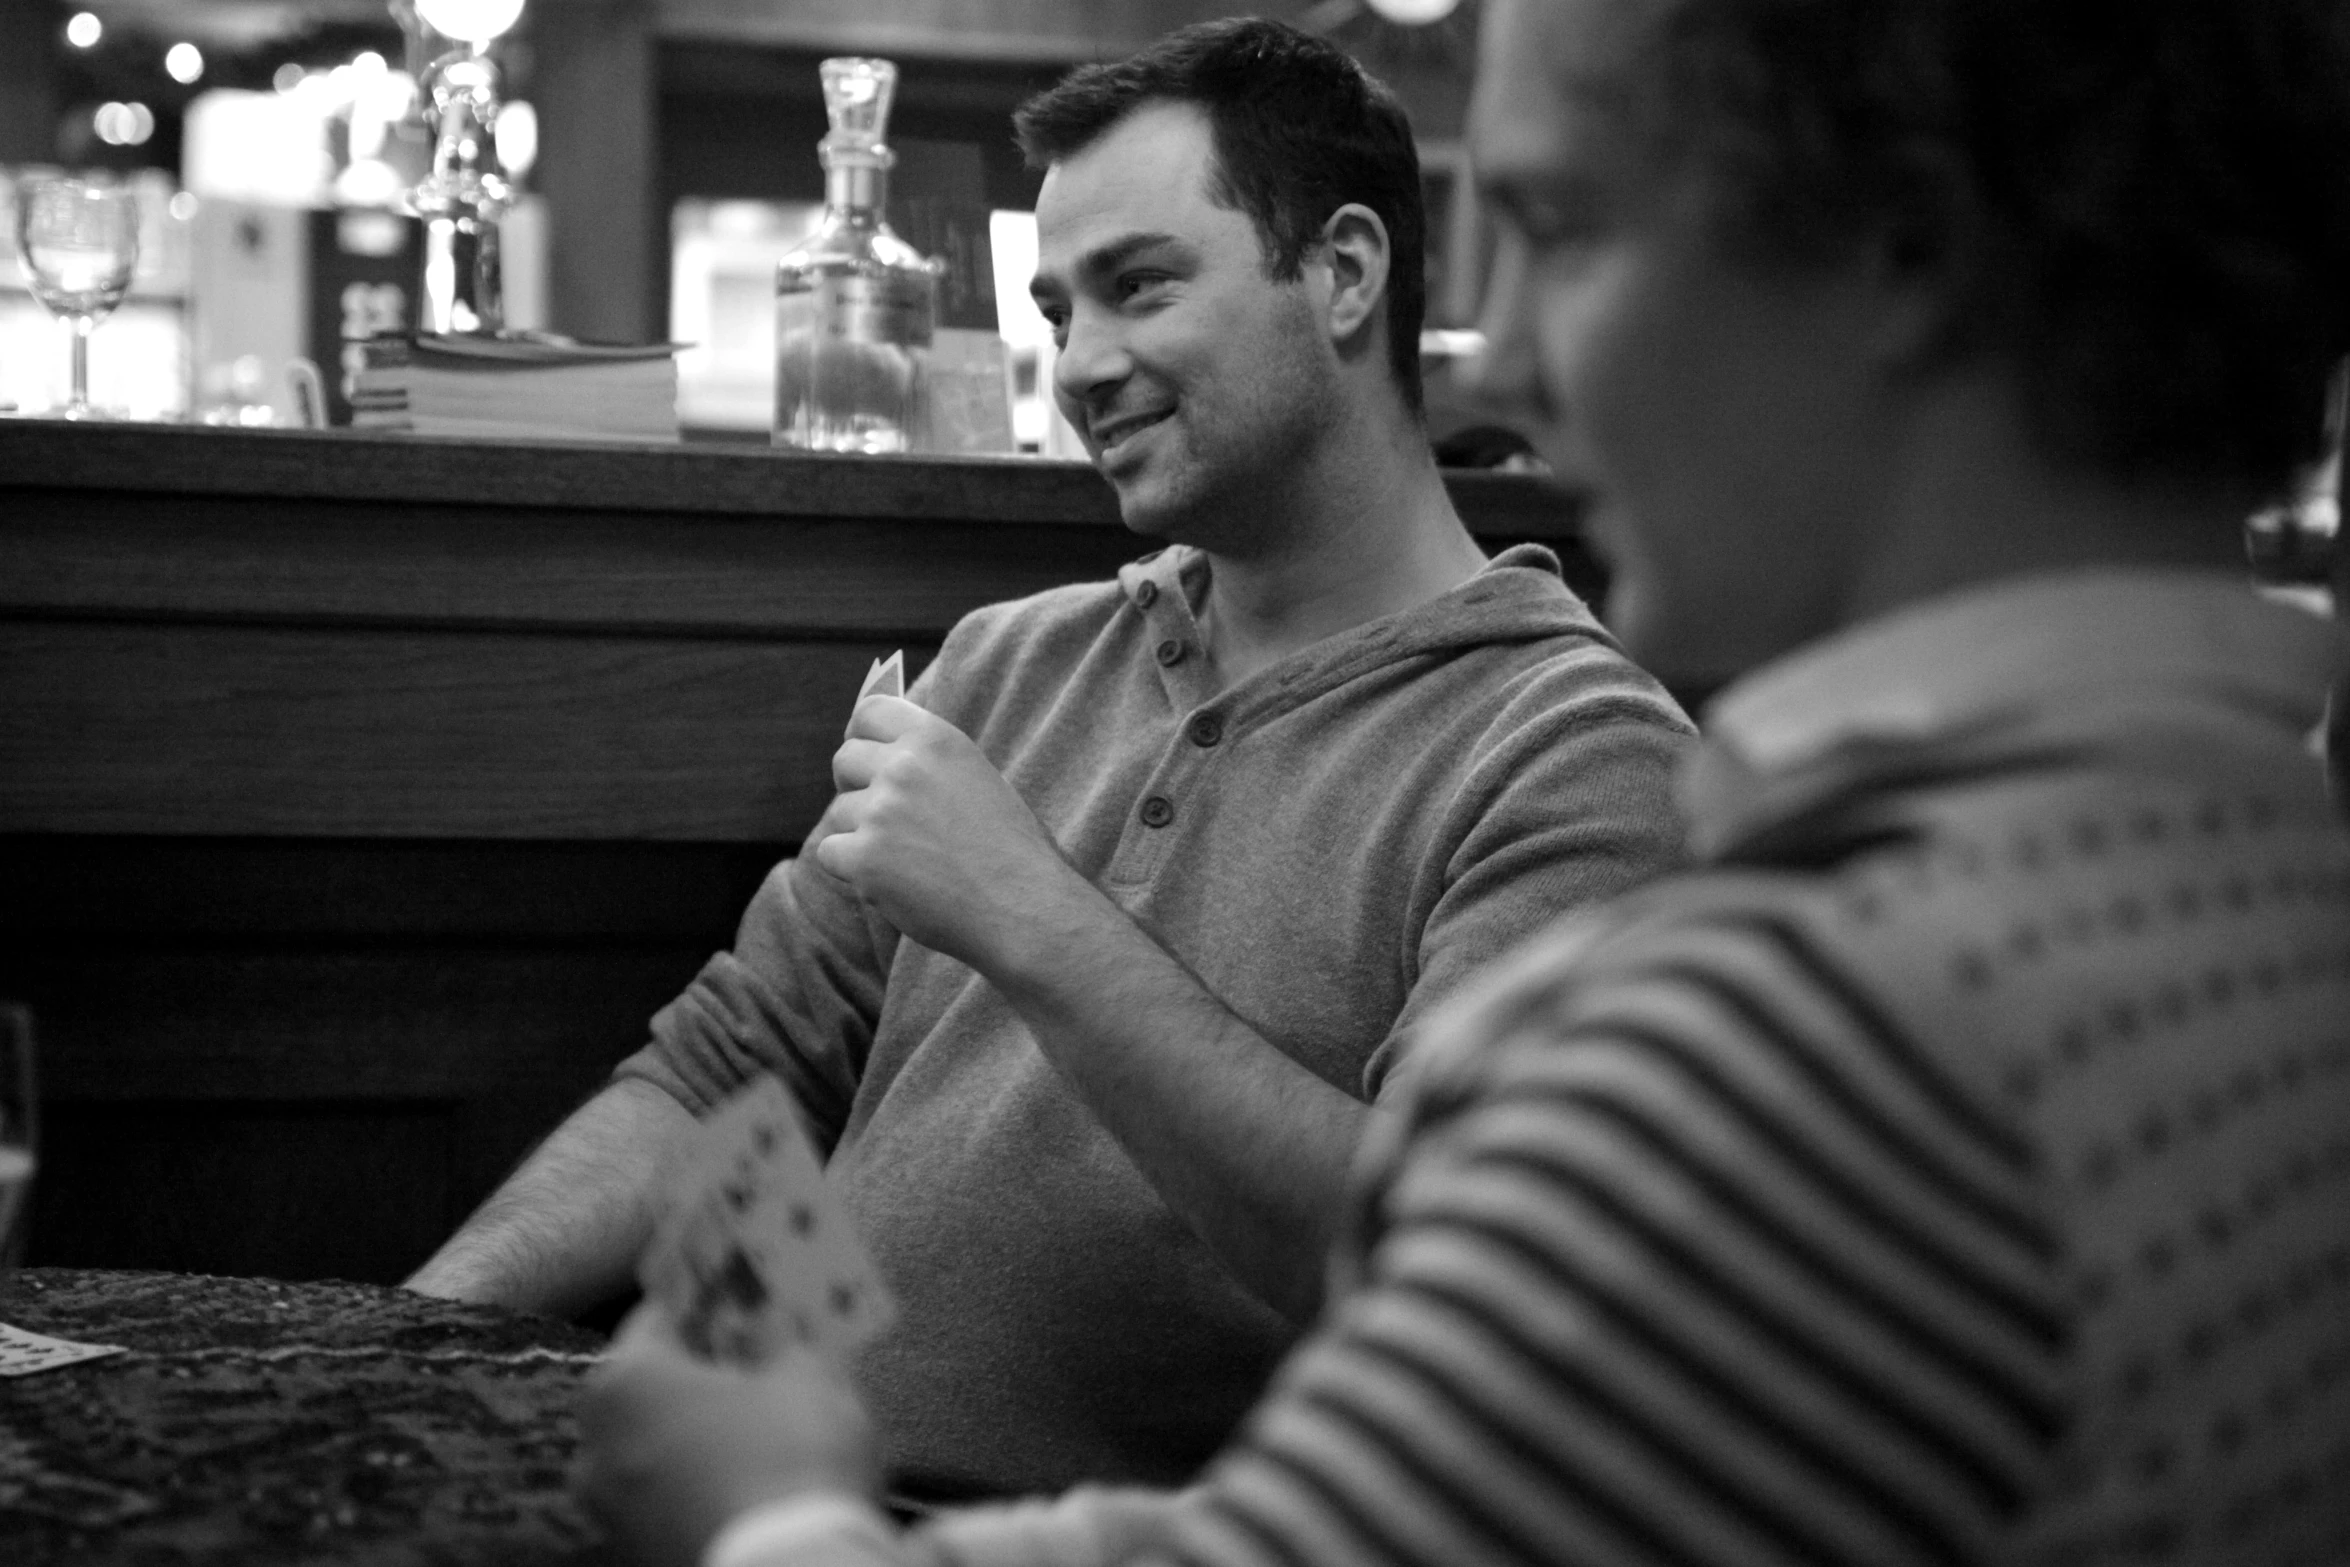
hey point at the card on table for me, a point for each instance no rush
(757, 1253)
(887, 677)
(23, 1353)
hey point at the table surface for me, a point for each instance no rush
(254, 1422)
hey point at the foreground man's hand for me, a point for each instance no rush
(933, 836)
(672, 1447)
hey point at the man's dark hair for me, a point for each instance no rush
(1299, 130)
(2169, 178)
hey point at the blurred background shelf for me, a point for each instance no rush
(647, 114)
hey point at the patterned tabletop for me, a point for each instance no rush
(260, 1422)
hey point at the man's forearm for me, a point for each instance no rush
(1248, 1147)
(563, 1233)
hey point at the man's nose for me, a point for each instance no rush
(1092, 360)
(1505, 378)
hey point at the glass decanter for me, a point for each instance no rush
(855, 306)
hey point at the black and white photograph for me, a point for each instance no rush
(1152, 783)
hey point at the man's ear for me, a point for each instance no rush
(1355, 247)
(1929, 259)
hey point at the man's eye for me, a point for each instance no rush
(1132, 284)
(1548, 222)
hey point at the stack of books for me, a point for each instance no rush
(522, 387)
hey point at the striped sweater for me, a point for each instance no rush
(1955, 1169)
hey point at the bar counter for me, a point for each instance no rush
(361, 797)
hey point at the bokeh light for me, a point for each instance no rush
(517, 136)
(123, 124)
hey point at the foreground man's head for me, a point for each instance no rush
(1819, 298)
(1949, 1165)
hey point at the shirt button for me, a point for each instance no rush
(1147, 594)
(1207, 729)
(1157, 811)
(1170, 652)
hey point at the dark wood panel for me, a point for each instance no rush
(28, 88)
(208, 1023)
(222, 730)
(261, 890)
(739, 121)
(592, 77)
(120, 554)
(312, 1058)
(259, 1191)
(1056, 30)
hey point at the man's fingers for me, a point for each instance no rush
(843, 816)
(835, 856)
(886, 718)
(857, 760)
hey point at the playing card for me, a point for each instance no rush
(887, 676)
(757, 1252)
(23, 1353)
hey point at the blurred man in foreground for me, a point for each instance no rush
(1114, 938)
(1956, 1166)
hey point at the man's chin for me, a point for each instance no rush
(1147, 509)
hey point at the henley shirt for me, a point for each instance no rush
(1331, 846)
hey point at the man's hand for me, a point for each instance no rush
(1247, 1146)
(933, 836)
(672, 1447)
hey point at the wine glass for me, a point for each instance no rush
(79, 239)
(17, 1131)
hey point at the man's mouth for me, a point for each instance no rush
(1108, 433)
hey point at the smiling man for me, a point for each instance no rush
(1115, 938)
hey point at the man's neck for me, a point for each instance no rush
(1984, 504)
(1371, 534)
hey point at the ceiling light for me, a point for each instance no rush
(84, 30)
(1415, 13)
(469, 21)
(185, 62)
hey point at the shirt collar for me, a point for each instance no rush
(2030, 653)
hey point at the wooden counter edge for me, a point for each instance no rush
(713, 478)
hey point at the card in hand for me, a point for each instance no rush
(887, 677)
(757, 1253)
